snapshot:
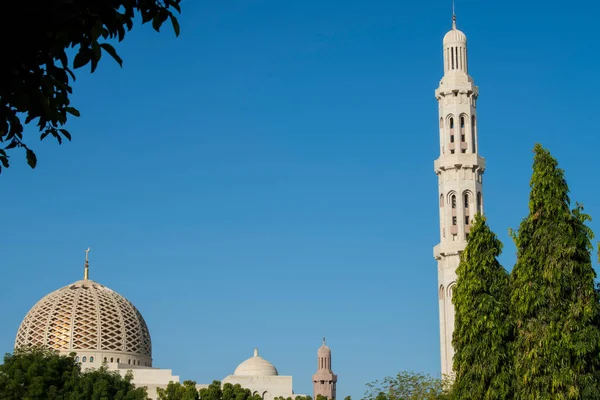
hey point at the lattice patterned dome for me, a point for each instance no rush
(88, 318)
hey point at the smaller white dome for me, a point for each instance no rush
(255, 366)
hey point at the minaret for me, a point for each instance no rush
(459, 169)
(324, 381)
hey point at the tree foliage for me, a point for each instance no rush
(35, 73)
(554, 301)
(42, 374)
(37, 374)
(178, 391)
(227, 391)
(407, 386)
(101, 384)
(483, 328)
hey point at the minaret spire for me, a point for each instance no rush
(86, 270)
(453, 17)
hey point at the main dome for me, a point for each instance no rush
(255, 366)
(86, 316)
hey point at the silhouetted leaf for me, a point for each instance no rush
(72, 111)
(96, 55)
(82, 58)
(65, 134)
(31, 158)
(111, 50)
(156, 23)
(175, 24)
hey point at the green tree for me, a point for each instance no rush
(37, 374)
(42, 374)
(237, 392)
(407, 386)
(178, 391)
(101, 384)
(35, 72)
(483, 328)
(553, 300)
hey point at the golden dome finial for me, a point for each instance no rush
(86, 271)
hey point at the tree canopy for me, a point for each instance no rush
(178, 391)
(42, 374)
(483, 328)
(35, 72)
(407, 385)
(554, 301)
(227, 391)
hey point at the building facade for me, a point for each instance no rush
(459, 169)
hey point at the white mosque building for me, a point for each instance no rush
(460, 176)
(103, 328)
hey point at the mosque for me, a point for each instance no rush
(104, 328)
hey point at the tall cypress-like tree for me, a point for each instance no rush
(482, 330)
(553, 300)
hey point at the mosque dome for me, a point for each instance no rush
(255, 366)
(87, 317)
(454, 35)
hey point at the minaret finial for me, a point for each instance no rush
(323, 340)
(86, 271)
(453, 16)
(255, 352)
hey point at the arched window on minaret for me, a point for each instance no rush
(451, 122)
(451, 290)
(467, 214)
(463, 139)
(454, 216)
(473, 138)
(442, 141)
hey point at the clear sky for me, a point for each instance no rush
(267, 178)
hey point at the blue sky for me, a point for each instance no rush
(267, 178)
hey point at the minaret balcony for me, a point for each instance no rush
(448, 249)
(459, 160)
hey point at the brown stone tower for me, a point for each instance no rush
(324, 381)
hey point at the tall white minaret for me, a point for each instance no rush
(460, 176)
